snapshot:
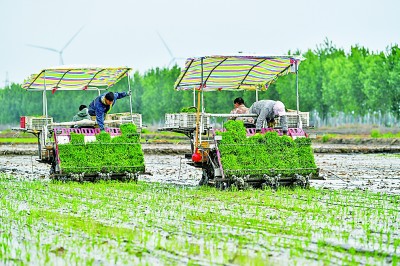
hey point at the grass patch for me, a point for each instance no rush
(375, 133)
(19, 140)
(327, 137)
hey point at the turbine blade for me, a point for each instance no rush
(42, 47)
(166, 46)
(70, 40)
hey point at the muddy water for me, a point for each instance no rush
(376, 172)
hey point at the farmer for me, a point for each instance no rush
(82, 114)
(100, 106)
(240, 108)
(268, 110)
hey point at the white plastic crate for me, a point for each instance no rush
(185, 120)
(136, 118)
(188, 120)
(126, 118)
(34, 122)
(172, 120)
(291, 118)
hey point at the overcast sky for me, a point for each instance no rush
(127, 33)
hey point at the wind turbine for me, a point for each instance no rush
(173, 58)
(58, 51)
(6, 81)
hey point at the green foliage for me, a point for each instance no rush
(188, 109)
(118, 155)
(102, 137)
(375, 133)
(237, 131)
(18, 140)
(77, 139)
(264, 154)
(128, 129)
(145, 131)
(330, 81)
(327, 137)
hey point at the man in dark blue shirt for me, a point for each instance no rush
(100, 106)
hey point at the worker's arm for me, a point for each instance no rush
(119, 95)
(100, 118)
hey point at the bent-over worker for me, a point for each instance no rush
(268, 110)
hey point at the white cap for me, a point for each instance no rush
(279, 108)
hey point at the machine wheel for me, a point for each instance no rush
(270, 181)
(204, 178)
(302, 181)
(52, 159)
(52, 171)
(208, 172)
(221, 185)
(238, 182)
(53, 168)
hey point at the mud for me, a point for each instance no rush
(375, 172)
(378, 172)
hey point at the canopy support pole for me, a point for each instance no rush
(44, 98)
(130, 96)
(199, 107)
(299, 122)
(194, 96)
(202, 86)
(43, 102)
(297, 87)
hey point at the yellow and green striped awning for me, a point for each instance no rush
(75, 78)
(238, 72)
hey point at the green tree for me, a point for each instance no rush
(393, 62)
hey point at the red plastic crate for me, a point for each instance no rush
(22, 121)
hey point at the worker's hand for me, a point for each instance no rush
(129, 93)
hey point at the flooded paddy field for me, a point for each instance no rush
(378, 172)
(351, 218)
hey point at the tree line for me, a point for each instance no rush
(331, 82)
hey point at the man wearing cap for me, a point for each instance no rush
(103, 104)
(268, 110)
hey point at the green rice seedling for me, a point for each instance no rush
(125, 149)
(202, 224)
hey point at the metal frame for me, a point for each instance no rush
(212, 166)
(44, 134)
(203, 82)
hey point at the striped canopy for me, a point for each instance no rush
(237, 72)
(75, 78)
